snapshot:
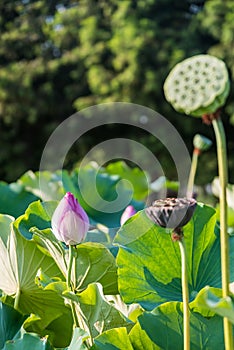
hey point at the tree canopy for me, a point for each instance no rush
(58, 57)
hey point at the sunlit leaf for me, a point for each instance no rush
(45, 185)
(38, 214)
(140, 339)
(93, 263)
(113, 339)
(149, 263)
(211, 300)
(99, 314)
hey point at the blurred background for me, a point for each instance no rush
(58, 57)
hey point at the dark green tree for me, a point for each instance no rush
(57, 57)
(40, 77)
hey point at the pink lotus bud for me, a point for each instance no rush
(128, 212)
(70, 222)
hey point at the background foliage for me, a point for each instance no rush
(59, 56)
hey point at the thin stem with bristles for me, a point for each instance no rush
(185, 294)
(69, 268)
(69, 286)
(224, 242)
(192, 174)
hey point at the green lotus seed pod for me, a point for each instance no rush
(198, 85)
(201, 143)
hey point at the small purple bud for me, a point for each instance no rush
(70, 222)
(128, 212)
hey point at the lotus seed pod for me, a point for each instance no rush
(201, 143)
(198, 85)
(171, 212)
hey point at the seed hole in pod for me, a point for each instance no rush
(207, 80)
(196, 71)
(186, 78)
(215, 87)
(196, 81)
(177, 90)
(206, 64)
(204, 73)
(189, 66)
(183, 97)
(177, 82)
(197, 63)
(203, 87)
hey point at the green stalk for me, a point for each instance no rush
(17, 298)
(69, 269)
(69, 286)
(185, 294)
(223, 178)
(192, 174)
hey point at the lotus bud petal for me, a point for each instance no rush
(198, 85)
(128, 212)
(171, 212)
(201, 143)
(70, 222)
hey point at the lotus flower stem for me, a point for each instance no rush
(69, 286)
(223, 178)
(192, 173)
(185, 294)
(69, 269)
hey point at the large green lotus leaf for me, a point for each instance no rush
(113, 339)
(59, 330)
(211, 299)
(137, 178)
(14, 199)
(46, 240)
(44, 184)
(140, 339)
(96, 311)
(38, 214)
(149, 263)
(103, 196)
(10, 323)
(20, 260)
(93, 263)
(28, 342)
(164, 326)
